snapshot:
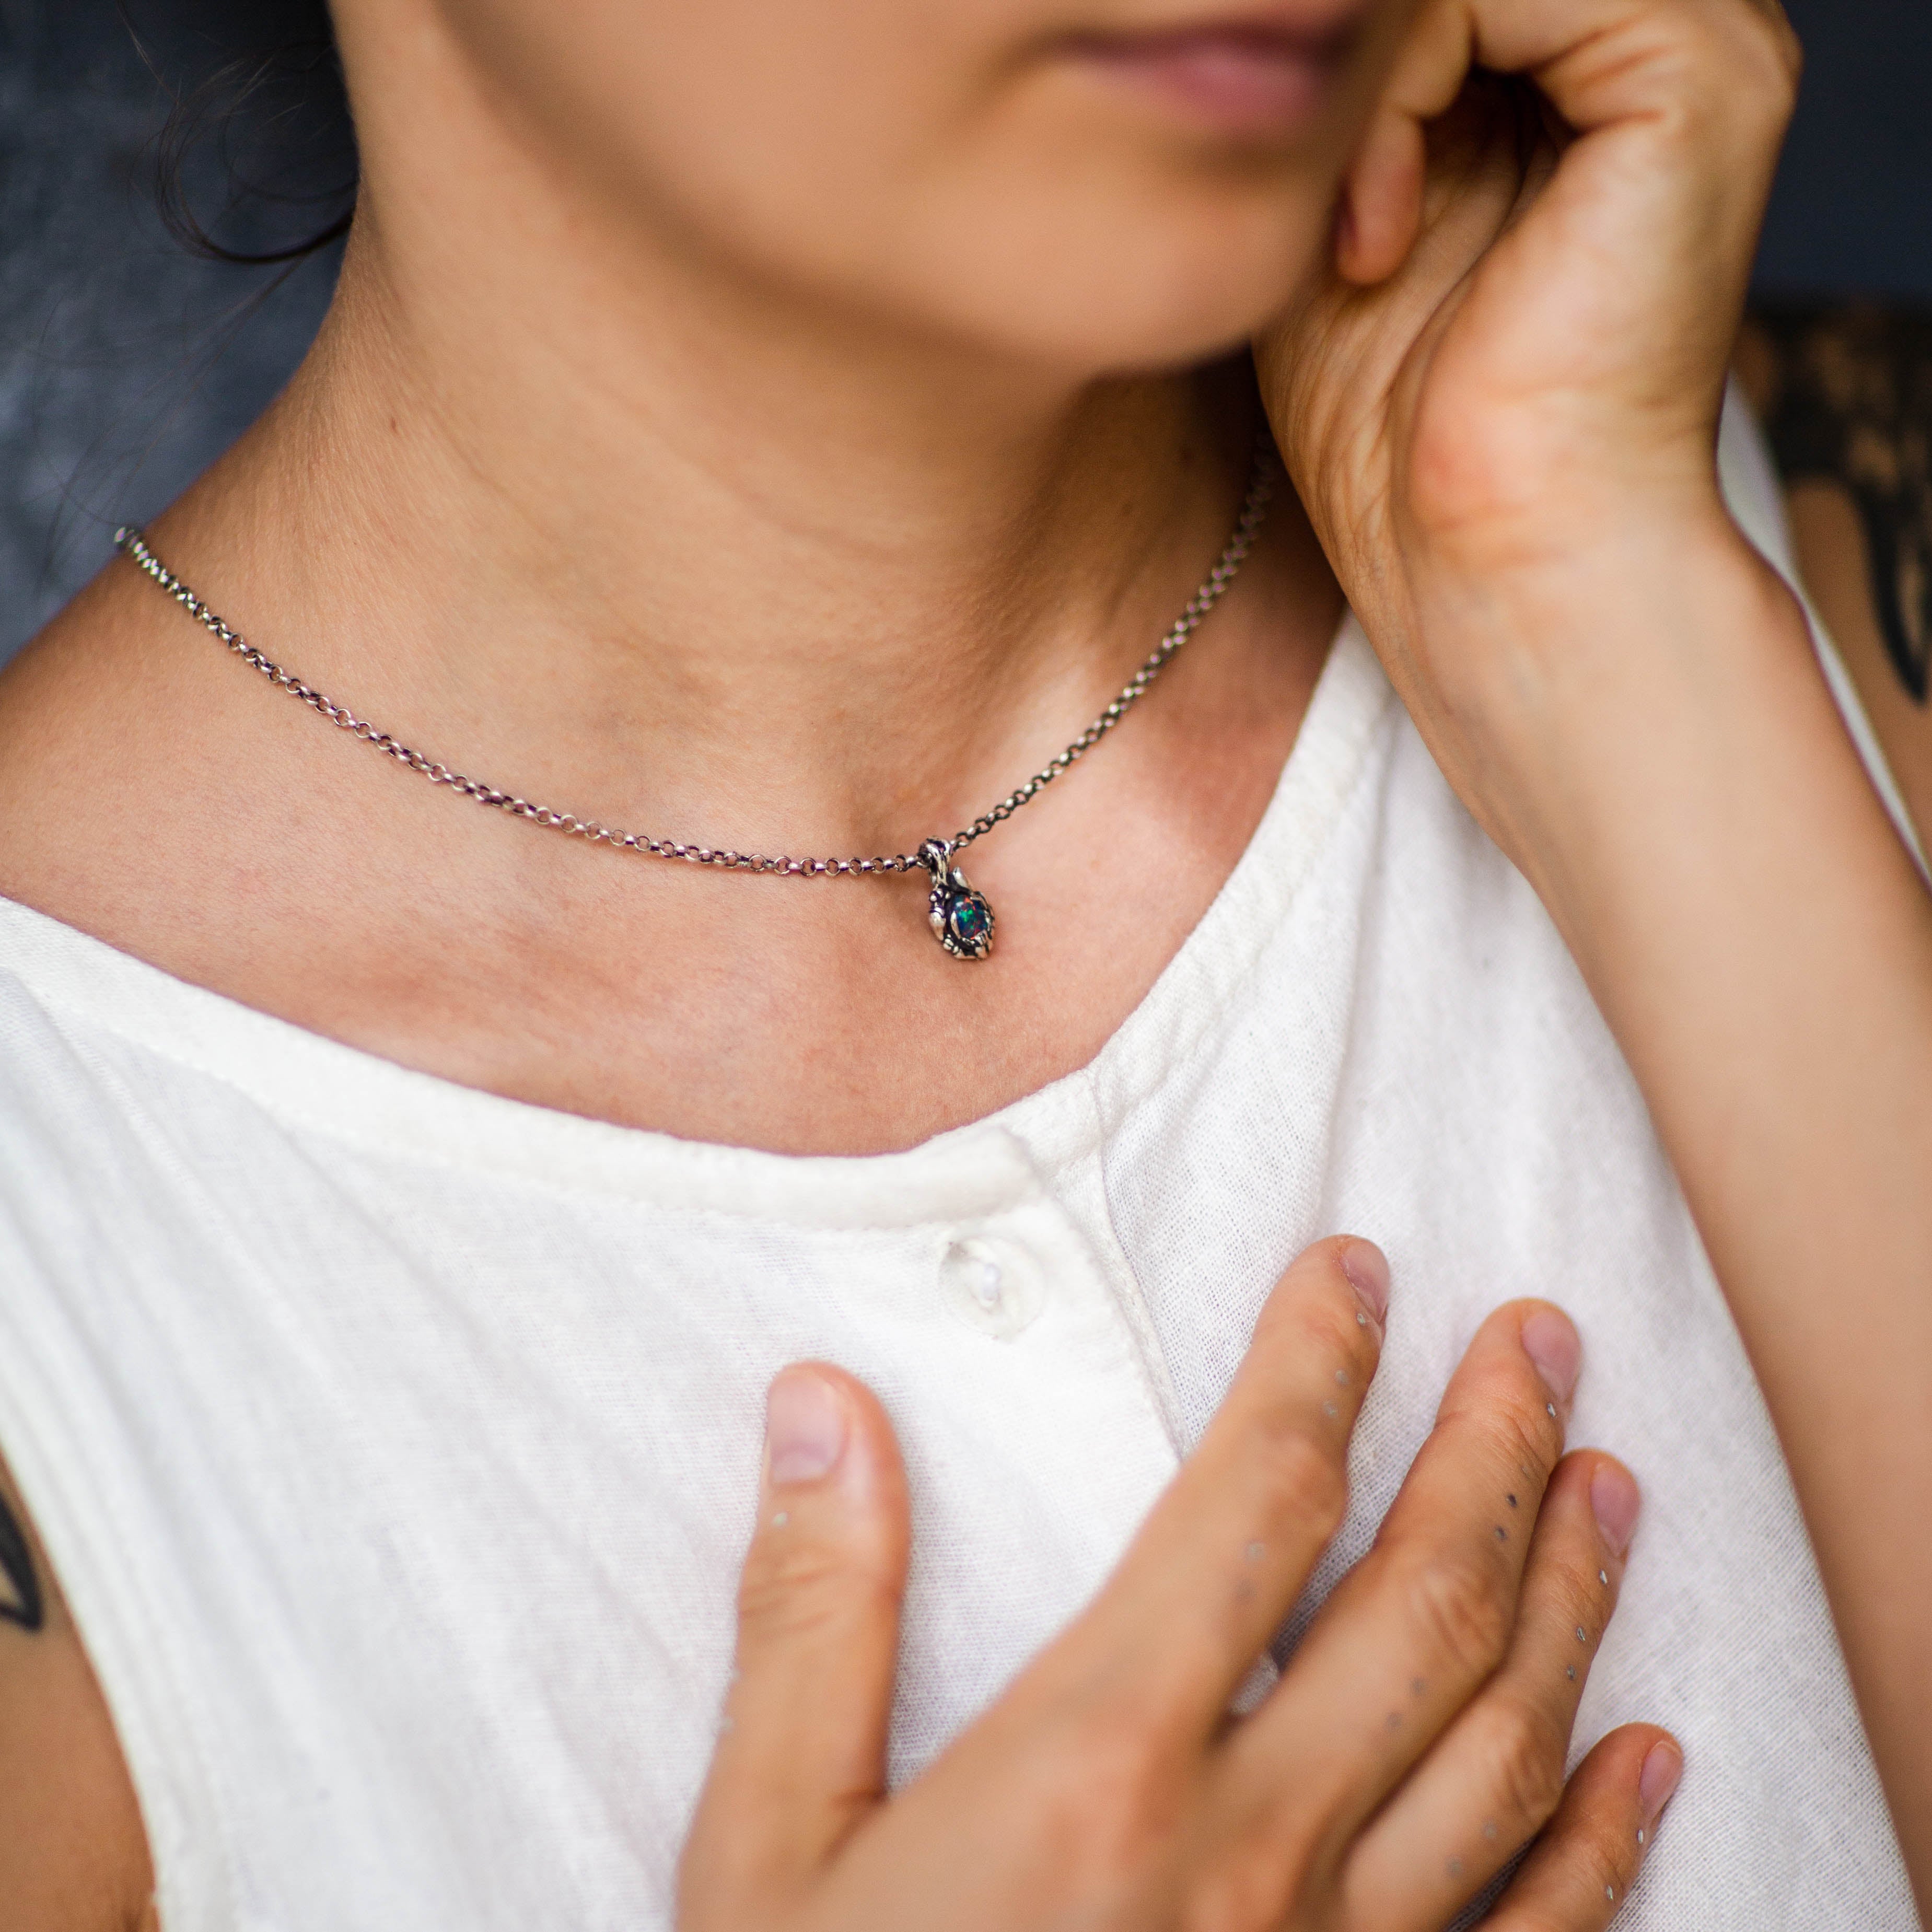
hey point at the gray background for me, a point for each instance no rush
(126, 364)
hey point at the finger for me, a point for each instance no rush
(1582, 1868)
(1601, 61)
(1723, 76)
(1473, 190)
(1682, 103)
(1496, 1775)
(1229, 1545)
(1381, 199)
(1381, 204)
(801, 1755)
(1425, 1618)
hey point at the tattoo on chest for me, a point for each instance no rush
(21, 1604)
(1851, 402)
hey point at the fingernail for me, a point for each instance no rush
(1616, 1499)
(1367, 1269)
(1662, 1766)
(804, 1427)
(1557, 1350)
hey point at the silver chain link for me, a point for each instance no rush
(1214, 587)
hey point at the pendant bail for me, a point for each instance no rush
(961, 917)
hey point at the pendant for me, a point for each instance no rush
(962, 920)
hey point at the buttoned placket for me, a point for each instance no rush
(1040, 1270)
(1051, 1246)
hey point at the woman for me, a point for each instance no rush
(781, 430)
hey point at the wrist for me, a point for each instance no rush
(1572, 690)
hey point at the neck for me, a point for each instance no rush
(587, 512)
(562, 502)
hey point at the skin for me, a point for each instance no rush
(1415, 1743)
(1846, 396)
(943, 556)
(1108, 1788)
(1624, 694)
(73, 1852)
(800, 489)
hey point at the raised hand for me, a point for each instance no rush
(1516, 361)
(1414, 1745)
(1499, 403)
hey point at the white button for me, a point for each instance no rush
(992, 1284)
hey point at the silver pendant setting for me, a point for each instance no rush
(961, 917)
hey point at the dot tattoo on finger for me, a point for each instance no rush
(1255, 1552)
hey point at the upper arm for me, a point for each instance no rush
(74, 1857)
(1845, 394)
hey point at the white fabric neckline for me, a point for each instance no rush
(321, 1085)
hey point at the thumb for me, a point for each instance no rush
(801, 1760)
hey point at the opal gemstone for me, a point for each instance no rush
(969, 918)
(962, 921)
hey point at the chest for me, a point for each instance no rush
(432, 1453)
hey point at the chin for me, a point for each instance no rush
(1119, 288)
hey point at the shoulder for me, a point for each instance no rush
(1844, 393)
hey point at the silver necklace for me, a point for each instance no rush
(961, 917)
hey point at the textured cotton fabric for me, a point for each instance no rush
(397, 1444)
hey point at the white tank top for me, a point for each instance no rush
(396, 1443)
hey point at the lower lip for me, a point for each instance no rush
(1253, 86)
